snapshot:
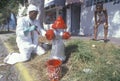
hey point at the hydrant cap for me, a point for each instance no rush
(59, 23)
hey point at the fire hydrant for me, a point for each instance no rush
(57, 56)
(57, 34)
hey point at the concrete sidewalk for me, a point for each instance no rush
(20, 67)
(7, 72)
(112, 40)
(22, 70)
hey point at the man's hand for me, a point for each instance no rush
(29, 29)
(106, 25)
(32, 28)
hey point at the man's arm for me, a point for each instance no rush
(20, 27)
(95, 16)
(40, 29)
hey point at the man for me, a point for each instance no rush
(27, 31)
(101, 17)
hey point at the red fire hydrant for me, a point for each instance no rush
(57, 56)
(54, 69)
(57, 34)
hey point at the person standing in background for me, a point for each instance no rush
(101, 17)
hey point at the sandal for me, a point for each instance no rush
(105, 40)
(94, 39)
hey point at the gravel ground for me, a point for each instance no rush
(7, 72)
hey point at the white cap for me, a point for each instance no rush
(32, 7)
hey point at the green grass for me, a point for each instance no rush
(102, 61)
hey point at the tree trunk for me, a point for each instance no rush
(40, 4)
(7, 21)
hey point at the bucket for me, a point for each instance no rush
(54, 69)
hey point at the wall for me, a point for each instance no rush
(87, 20)
(68, 19)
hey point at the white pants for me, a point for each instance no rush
(24, 55)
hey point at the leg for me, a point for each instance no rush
(95, 32)
(105, 31)
(24, 55)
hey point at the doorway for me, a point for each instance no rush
(75, 18)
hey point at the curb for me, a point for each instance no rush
(23, 71)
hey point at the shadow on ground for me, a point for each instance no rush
(68, 51)
(6, 32)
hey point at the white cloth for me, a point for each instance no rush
(26, 44)
(32, 7)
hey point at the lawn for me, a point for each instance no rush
(87, 60)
